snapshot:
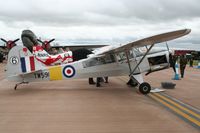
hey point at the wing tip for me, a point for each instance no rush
(187, 31)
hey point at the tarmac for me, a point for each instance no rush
(74, 106)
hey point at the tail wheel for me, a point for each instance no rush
(145, 88)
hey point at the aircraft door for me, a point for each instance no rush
(137, 56)
(127, 61)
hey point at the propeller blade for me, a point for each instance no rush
(40, 41)
(4, 40)
(51, 40)
(14, 41)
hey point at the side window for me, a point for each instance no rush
(121, 56)
(110, 58)
(99, 61)
(137, 52)
(131, 54)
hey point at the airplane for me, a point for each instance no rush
(109, 61)
(10, 43)
(29, 40)
(49, 60)
(44, 52)
(6, 47)
(46, 44)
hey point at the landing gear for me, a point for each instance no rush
(135, 73)
(144, 88)
(19, 84)
(136, 80)
(132, 83)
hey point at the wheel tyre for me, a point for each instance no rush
(144, 88)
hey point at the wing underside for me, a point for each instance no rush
(151, 40)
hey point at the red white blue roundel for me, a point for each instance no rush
(69, 71)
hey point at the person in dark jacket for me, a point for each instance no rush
(183, 63)
(91, 81)
(172, 61)
(191, 60)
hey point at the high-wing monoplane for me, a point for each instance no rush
(23, 66)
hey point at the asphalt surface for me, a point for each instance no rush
(75, 106)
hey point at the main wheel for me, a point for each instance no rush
(145, 88)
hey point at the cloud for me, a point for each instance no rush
(105, 20)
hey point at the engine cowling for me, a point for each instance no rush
(29, 39)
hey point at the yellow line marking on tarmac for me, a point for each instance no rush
(177, 105)
(176, 110)
(179, 108)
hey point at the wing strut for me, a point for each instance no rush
(148, 49)
(128, 61)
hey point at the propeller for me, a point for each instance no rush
(10, 42)
(46, 44)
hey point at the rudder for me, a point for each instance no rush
(21, 61)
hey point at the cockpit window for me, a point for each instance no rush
(121, 56)
(137, 52)
(99, 60)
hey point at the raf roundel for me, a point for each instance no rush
(69, 71)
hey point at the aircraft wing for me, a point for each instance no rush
(150, 40)
(79, 46)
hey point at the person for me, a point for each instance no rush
(54, 51)
(106, 79)
(172, 61)
(191, 61)
(91, 81)
(183, 63)
(98, 81)
(60, 50)
(69, 55)
(67, 49)
(1, 57)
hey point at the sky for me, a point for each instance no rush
(100, 21)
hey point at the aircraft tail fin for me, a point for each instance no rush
(21, 61)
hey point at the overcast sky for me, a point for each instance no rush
(99, 21)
